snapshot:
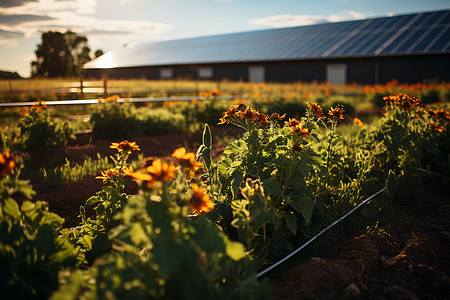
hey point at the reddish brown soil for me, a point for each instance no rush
(66, 200)
(412, 262)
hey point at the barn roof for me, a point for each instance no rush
(420, 33)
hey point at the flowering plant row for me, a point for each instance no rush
(201, 228)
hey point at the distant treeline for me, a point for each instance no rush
(9, 75)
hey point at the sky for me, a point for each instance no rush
(112, 24)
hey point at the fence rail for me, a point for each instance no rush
(99, 87)
(120, 100)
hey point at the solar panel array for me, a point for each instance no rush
(421, 33)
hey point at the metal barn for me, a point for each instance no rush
(410, 48)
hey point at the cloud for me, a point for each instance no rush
(279, 21)
(9, 37)
(4, 34)
(35, 17)
(19, 19)
(12, 3)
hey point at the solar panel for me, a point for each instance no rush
(419, 33)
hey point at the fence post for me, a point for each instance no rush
(81, 87)
(105, 85)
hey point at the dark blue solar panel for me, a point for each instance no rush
(426, 41)
(439, 46)
(412, 40)
(333, 34)
(408, 34)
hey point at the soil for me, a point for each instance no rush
(407, 259)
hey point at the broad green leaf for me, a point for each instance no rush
(86, 240)
(208, 237)
(45, 240)
(303, 204)
(27, 206)
(234, 250)
(291, 221)
(277, 221)
(272, 186)
(93, 200)
(170, 253)
(138, 235)
(236, 180)
(11, 208)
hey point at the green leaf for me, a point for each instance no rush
(272, 186)
(277, 221)
(207, 138)
(207, 236)
(291, 221)
(138, 235)
(86, 240)
(11, 208)
(93, 200)
(27, 206)
(391, 183)
(303, 204)
(200, 151)
(45, 240)
(234, 250)
(237, 177)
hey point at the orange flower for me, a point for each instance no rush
(6, 163)
(301, 131)
(108, 175)
(297, 148)
(276, 116)
(337, 112)
(316, 109)
(292, 122)
(125, 146)
(358, 122)
(404, 101)
(229, 113)
(24, 111)
(128, 171)
(439, 128)
(200, 201)
(158, 171)
(187, 159)
(250, 114)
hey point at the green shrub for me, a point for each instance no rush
(113, 120)
(31, 250)
(161, 121)
(37, 130)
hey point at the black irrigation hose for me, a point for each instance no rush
(329, 227)
(319, 234)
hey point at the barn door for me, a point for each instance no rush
(337, 74)
(256, 74)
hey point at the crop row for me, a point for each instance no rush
(202, 228)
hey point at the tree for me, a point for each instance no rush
(98, 53)
(60, 55)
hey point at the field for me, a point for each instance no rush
(196, 199)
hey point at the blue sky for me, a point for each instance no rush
(110, 24)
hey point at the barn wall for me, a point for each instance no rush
(408, 69)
